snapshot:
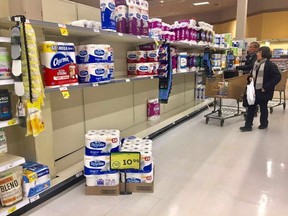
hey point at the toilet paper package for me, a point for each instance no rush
(153, 109)
(152, 56)
(144, 69)
(108, 19)
(122, 18)
(94, 53)
(109, 178)
(101, 142)
(131, 69)
(36, 178)
(134, 18)
(136, 56)
(144, 30)
(138, 176)
(96, 164)
(11, 186)
(58, 63)
(94, 72)
(120, 2)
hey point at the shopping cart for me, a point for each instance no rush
(280, 87)
(219, 89)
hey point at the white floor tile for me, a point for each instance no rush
(201, 170)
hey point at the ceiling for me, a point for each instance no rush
(182, 7)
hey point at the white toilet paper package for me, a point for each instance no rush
(10, 186)
(99, 142)
(138, 176)
(94, 53)
(36, 178)
(96, 164)
(108, 178)
(95, 72)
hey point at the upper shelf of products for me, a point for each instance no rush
(51, 28)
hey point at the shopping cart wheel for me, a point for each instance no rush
(207, 120)
(271, 110)
(222, 123)
(284, 105)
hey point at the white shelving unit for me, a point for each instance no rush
(9, 210)
(6, 82)
(9, 161)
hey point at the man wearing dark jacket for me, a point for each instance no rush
(250, 58)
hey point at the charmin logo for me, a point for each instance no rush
(98, 144)
(144, 17)
(83, 73)
(99, 52)
(131, 56)
(59, 60)
(111, 6)
(83, 53)
(97, 164)
(100, 71)
(143, 68)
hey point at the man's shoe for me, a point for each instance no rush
(244, 129)
(262, 127)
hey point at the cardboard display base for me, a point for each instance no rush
(102, 190)
(138, 187)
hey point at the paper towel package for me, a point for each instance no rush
(108, 19)
(144, 30)
(153, 109)
(36, 178)
(94, 53)
(122, 18)
(58, 63)
(134, 19)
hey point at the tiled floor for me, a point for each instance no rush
(201, 170)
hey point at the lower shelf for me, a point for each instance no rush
(14, 208)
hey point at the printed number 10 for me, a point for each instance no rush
(127, 162)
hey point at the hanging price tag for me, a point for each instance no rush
(12, 122)
(125, 160)
(65, 92)
(63, 29)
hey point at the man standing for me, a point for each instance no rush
(250, 58)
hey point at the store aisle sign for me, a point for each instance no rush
(125, 160)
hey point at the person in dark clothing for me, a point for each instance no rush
(265, 75)
(250, 58)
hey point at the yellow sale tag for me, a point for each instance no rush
(12, 209)
(64, 31)
(65, 94)
(12, 122)
(125, 160)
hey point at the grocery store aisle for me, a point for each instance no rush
(201, 170)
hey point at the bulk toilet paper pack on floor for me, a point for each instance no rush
(102, 178)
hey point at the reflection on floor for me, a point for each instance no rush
(201, 170)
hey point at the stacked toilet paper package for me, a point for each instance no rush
(142, 62)
(144, 146)
(98, 146)
(125, 16)
(100, 180)
(95, 63)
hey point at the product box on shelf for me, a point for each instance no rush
(36, 178)
(102, 190)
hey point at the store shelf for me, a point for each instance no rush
(112, 81)
(5, 40)
(8, 123)
(9, 210)
(189, 45)
(7, 82)
(8, 161)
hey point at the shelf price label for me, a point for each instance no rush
(12, 122)
(12, 209)
(63, 30)
(125, 160)
(65, 92)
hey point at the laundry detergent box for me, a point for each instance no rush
(36, 178)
